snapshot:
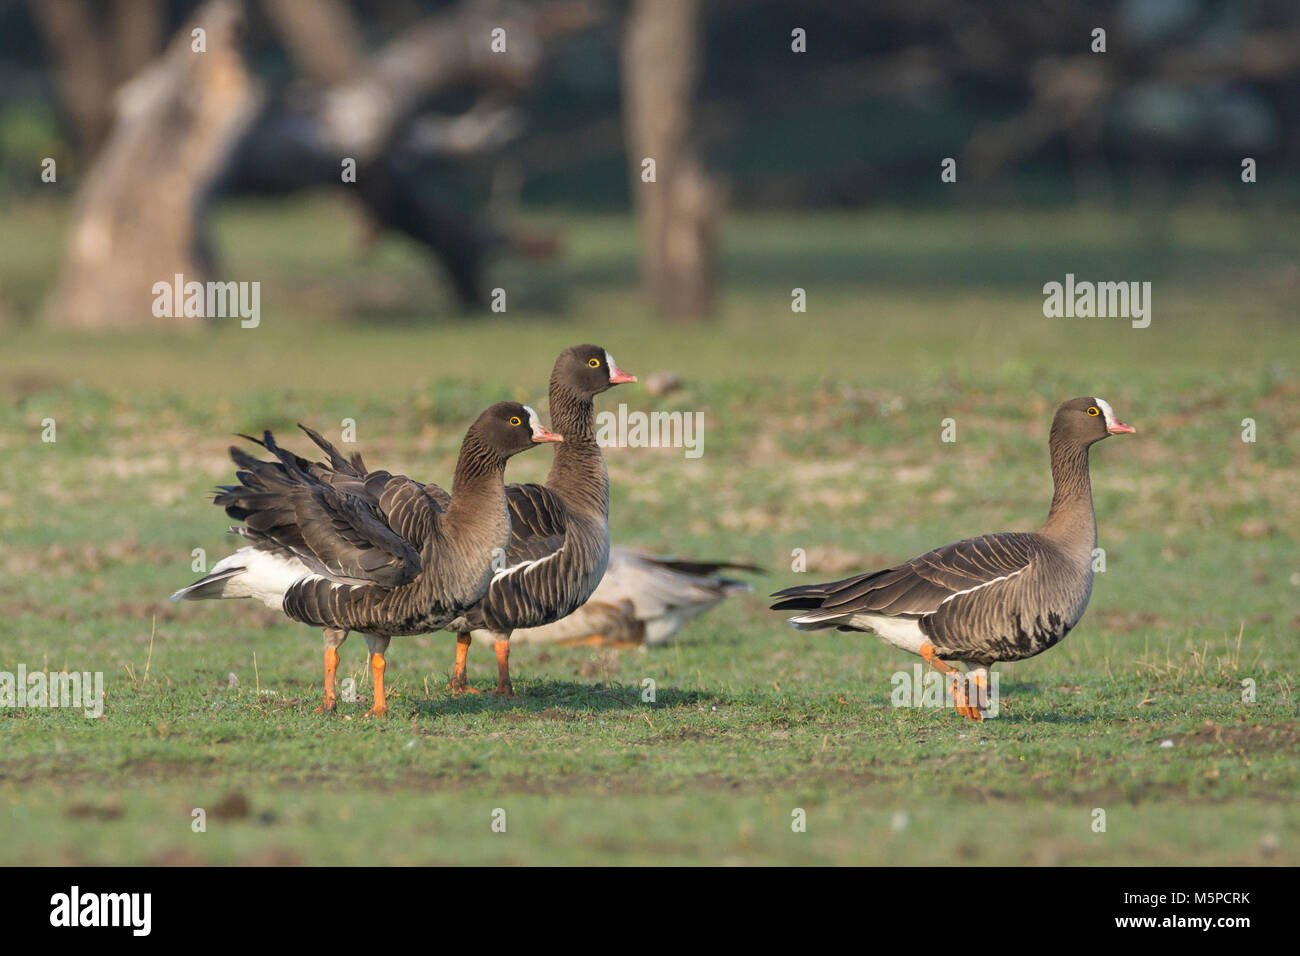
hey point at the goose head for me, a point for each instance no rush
(509, 428)
(589, 370)
(1084, 421)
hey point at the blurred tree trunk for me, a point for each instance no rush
(362, 115)
(95, 48)
(678, 211)
(141, 204)
(182, 121)
(322, 37)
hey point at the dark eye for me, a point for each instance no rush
(516, 421)
(594, 363)
(1094, 411)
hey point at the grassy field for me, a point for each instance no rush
(822, 433)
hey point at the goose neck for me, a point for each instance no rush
(1071, 520)
(578, 472)
(478, 483)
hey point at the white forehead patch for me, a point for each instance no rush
(534, 422)
(1107, 411)
(609, 360)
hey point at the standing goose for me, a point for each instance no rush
(559, 532)
(344, 549)
(642, 599)
(997, 597)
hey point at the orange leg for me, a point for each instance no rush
(459, 683)
(334, 638)
(980, 678)
(504, 688)
(331, 669)
(591, 640)
(927, 653)
(960, 701)
(380, 706)
(956, 678)
(378, 647)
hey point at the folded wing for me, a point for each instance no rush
(917, 589)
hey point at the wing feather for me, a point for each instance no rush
(915, 589)
(334, 531)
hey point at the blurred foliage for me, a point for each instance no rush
(28, 135)
(856, 120)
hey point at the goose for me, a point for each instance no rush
(345, 549)
(996, 597)
(559, 532)
(642, 599)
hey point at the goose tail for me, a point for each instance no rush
(208, 588)
(353, 466)
(810, 599)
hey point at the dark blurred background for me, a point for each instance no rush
(454, 138)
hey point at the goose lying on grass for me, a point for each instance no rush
(642, 599)
(997, 597)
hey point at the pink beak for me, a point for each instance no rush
(619, 377)
(541, 433)
(1119, 428)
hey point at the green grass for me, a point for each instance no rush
(821, 433)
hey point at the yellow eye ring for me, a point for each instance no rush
(1094, 411)
(594, 363)
(516, 421)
